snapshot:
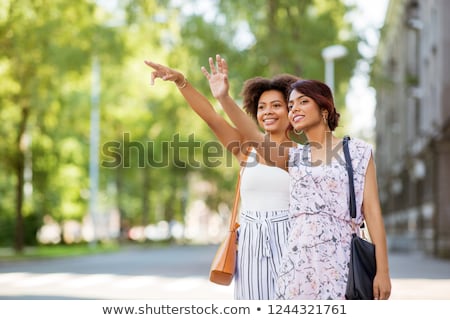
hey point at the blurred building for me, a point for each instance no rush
(411, 75)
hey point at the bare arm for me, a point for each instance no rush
(247, 127)
(228, 135)
(218, 82)
(375, 225)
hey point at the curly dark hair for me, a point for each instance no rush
(255, 87)
(322, 95)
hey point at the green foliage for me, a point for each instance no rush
(46, 54)
(59, 251)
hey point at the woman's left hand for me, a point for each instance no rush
(218, 77)
(381, 286)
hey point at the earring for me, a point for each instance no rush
(325, 120)
(299, 132)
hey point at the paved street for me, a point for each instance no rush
(178, 272)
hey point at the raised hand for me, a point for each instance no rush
(165, 73)
(218, 77)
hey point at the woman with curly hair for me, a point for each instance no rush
(264, 220)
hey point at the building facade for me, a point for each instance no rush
(411, 75)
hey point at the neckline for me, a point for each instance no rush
(254, 153)
(308, 159)
(252, 165)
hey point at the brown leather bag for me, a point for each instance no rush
(224, 263)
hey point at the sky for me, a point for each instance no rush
(361, 98)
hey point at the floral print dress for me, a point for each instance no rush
(315, 261)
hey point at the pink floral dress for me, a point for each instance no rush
(315, 261)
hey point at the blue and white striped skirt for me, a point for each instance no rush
(262, 238)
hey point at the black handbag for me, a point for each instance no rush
(362, 265)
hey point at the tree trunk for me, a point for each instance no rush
(145, 196)
(19, 168)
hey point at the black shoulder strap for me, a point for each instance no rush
(348, 165)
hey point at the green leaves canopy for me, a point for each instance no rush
(46, 52)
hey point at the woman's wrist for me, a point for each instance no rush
(181, 84)
(224, 97)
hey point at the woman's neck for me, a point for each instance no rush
(320, 137)
(279, 138)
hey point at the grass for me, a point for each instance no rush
(57, 251)
(72, 250)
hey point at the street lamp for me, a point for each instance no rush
(329, 54)
(94, 146)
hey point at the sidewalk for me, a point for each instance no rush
(419, 276)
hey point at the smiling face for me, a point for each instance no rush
(304, 113)
(272, 112)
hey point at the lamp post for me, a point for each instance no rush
(329, 54)
(94, 144)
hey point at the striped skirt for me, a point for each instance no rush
(262, 239)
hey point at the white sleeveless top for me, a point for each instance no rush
(263, 187)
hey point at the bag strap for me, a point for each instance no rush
(233, 223)
(236, 202)
(348, 165)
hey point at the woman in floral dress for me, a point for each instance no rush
(315, 262)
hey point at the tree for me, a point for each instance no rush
(263, 38)
(41, 55)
